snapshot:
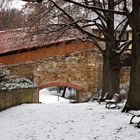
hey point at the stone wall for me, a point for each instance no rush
(125, 75)
(71, 63)
(41, 52)
(16, 97)
(78, 70)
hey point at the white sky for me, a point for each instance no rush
(16, 4)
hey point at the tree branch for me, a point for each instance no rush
(76, 25)
(95, 42)
(122, 32)
(95, 8)
(123, 47)
(120, 24)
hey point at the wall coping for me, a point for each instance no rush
(6, 90)
(68, 84)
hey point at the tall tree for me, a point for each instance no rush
(133, 101)
(11, 19)
(99, 15)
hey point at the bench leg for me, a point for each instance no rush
(99, 101)
(116, 106)
(109, 106)
(132, 119)
(106, 105)
(138, 125)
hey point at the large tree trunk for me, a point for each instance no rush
(111, 60)
(133, 101)
(106, 73)
(115, 67)
(111, 73)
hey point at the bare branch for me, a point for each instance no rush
(68, 27)
(95, 42)
(120, 24)
(118, 2)
(33, 23)
(123, 30)
(96, 8)
(125, 46)
(33, 1)
(76, 25)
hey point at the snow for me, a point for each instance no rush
(65, 121)
(17, 4)
(46, 97)
(11, 83)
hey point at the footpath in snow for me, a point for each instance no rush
(87, 121)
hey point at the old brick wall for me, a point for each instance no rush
(17, 97)
(41, 52)
(81, 71)
(78, 70)
(73, 63)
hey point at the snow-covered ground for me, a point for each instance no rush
(86, 121)
(46, 96)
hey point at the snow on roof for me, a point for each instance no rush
(19, 39)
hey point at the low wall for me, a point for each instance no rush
(17, 97)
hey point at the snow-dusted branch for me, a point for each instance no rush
(124, 46)
(96, 8)
(76, 25)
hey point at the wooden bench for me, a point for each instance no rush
(114, 101)
(102, 99)
(96, 96)
(134, 114)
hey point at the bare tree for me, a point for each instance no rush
(33, 1)
(133, 102)
(4, 3)
(11, 19)
(100, 15)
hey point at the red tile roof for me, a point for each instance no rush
(19, 39)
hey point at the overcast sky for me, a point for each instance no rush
(15, 3)
(18, 4)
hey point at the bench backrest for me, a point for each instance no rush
(106, 94)
(116, 98)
